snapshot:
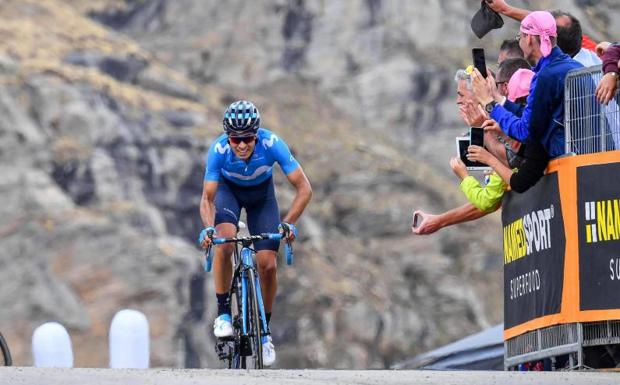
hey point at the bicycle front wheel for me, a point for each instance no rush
(254, 321)
(6, 354)
(236, 360)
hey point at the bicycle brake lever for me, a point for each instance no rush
(208, 258)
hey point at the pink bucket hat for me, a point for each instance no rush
(540, 23)
(519, 84)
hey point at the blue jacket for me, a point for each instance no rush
(543, 117)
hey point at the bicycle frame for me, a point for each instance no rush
(247, 262)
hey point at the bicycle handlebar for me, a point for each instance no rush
(273, 237)
(288, 249)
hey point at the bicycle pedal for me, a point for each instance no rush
(223, 350)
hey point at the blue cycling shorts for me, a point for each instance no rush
(260, 206)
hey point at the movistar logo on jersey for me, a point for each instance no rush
(269, 142)
(221, 149)
(604, 218)
(531, 233)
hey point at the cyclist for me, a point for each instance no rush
(239, 175)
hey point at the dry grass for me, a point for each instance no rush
(38, 34)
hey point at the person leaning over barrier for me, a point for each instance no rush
(487, 198)
(430, 223)
(540, 127)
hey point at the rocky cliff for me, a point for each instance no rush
(109, 106)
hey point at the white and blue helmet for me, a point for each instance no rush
(241, 118)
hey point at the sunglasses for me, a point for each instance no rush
(238, 139)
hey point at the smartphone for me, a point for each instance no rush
(476, 136)
(479, 61)
(462, 143)
(416, 220)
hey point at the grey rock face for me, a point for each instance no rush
(388, 63)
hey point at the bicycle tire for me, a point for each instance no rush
(254, 321)
(6, 353)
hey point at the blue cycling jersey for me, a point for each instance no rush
(269, 149)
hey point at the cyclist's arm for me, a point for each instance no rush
(295, 175)
(303, 194)
(207, 203)
(215, 160)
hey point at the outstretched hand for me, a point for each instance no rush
(427, 223)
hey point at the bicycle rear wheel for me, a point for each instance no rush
(254, 322)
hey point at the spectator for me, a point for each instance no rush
(564, 21)
(608, 85)
(506, 71)
(465, 99)
(509, 49)
(463, 87)
(430, 223)
(570, 38)
(542, 120)
(519, 85)
(488, 198)
(485, 198)
(473, 115)
(518, 89)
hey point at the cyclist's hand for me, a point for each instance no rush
(205, 237)
(288, 230)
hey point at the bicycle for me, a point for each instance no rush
(246, 302)
(6, 354)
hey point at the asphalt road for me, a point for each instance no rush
(28, 375)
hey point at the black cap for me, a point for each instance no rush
(485, 20)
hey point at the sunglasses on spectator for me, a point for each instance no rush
(238, 139)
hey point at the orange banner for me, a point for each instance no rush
(589, 188)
